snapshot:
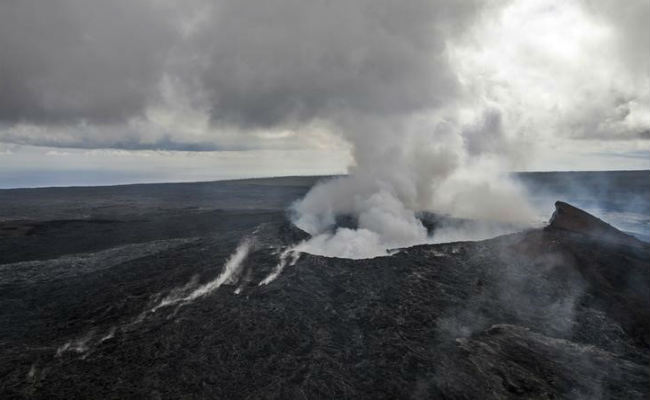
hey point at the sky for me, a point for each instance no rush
(95, 92)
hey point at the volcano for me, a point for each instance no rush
(557, 312)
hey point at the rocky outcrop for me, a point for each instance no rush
(570, 218)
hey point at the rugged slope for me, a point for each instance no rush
(561, 312)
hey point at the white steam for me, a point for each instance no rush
(292, 252)
(229, 274)
(429, 167)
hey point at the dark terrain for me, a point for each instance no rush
(102, 296)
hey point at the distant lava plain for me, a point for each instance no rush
(132, 293)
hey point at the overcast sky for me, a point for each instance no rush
(102, 92)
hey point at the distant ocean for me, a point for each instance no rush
(621, 198)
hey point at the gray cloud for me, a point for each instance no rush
(630, 21)
(279, 61)
(149, 73)
(247, 64)
(69, 60)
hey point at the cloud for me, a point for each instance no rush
(96, 69)
(289, 61)
(561, 69)
(72, 60)
(205, 75)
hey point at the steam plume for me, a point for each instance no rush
(431, 165)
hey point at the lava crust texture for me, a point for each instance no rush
(556, 313)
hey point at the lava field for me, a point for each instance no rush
(125, 293)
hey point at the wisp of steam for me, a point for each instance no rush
(228, 275)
